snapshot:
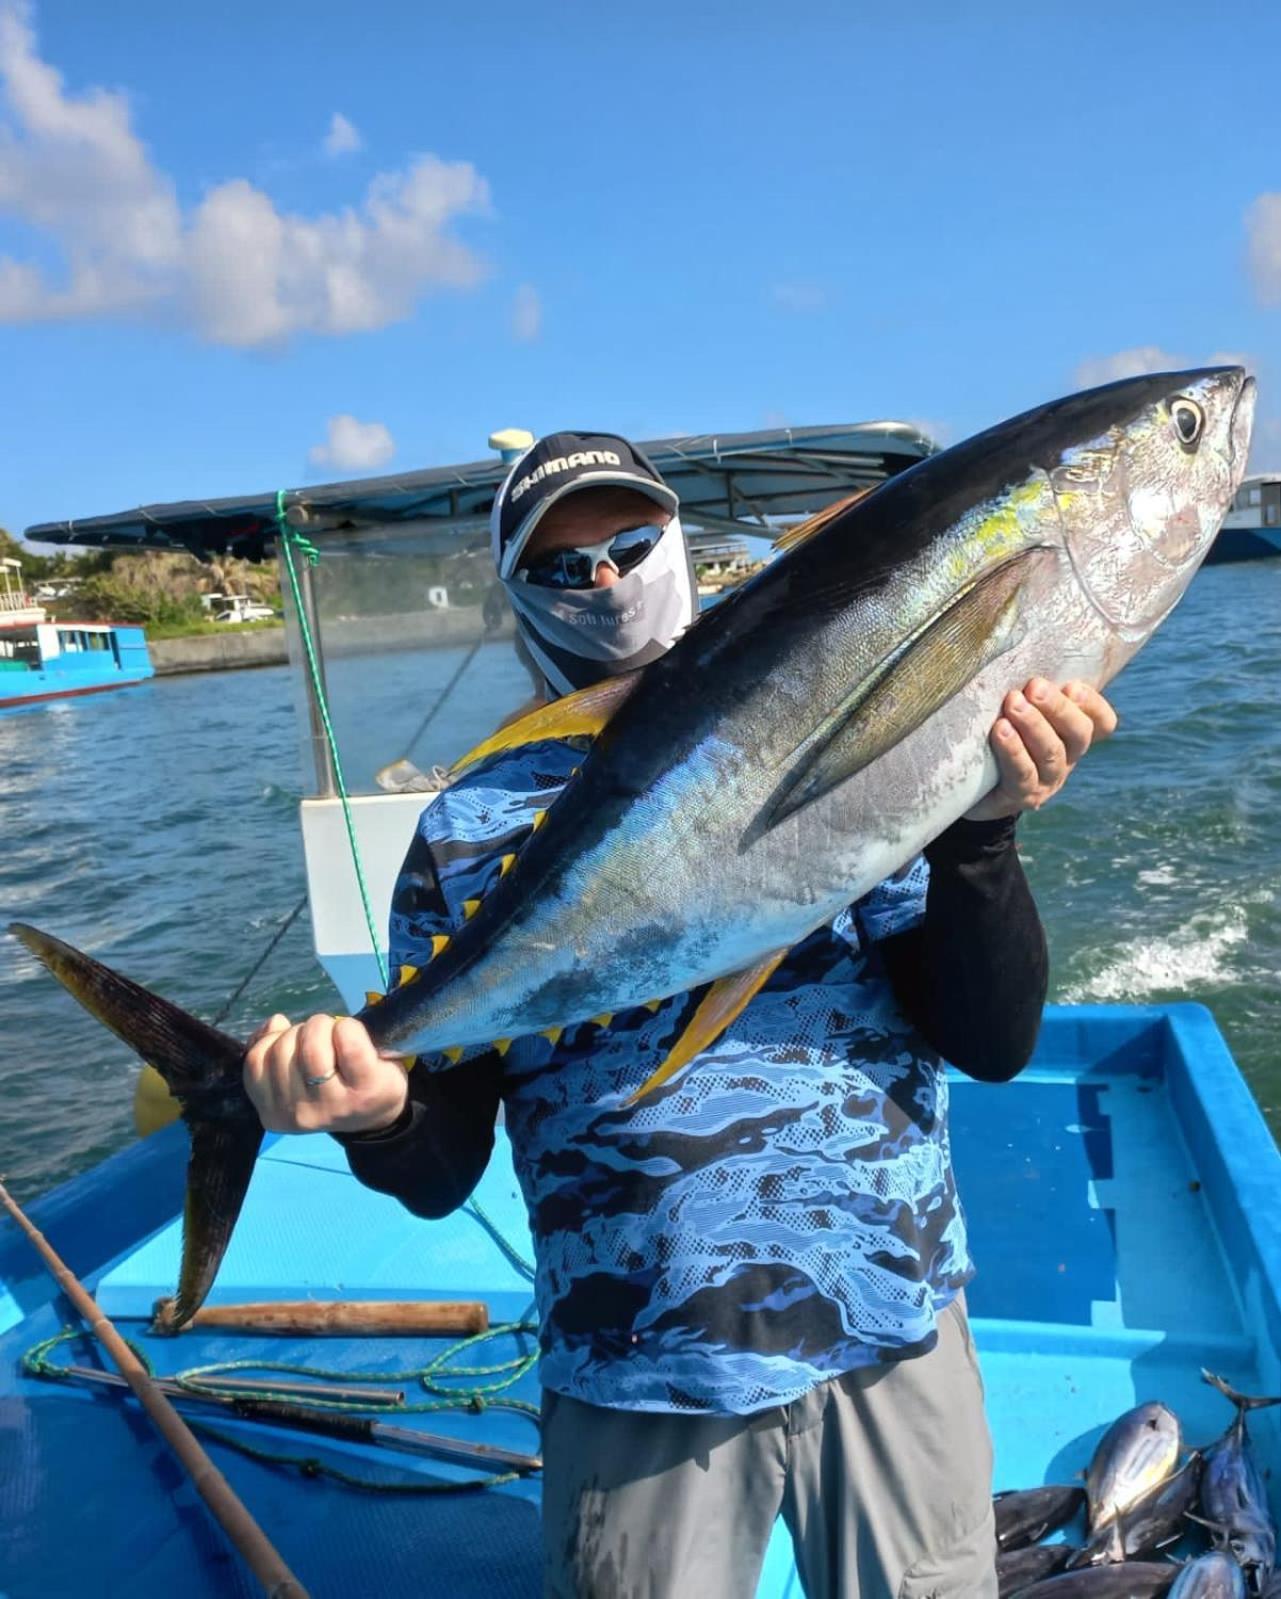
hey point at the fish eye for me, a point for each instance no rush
(1188, 419)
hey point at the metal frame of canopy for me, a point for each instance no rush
(739, 482)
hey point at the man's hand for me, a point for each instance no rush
(1040, 736)
(323, 1075)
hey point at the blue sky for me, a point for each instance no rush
(654, 220)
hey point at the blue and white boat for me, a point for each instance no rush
(1252, 528)
(42, 659)
(1122, 1195)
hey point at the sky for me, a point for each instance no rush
(255, 246)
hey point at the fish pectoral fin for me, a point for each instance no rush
(727, 998)
(218, 1172)
(905, 689)
(191, 1056)
(578, 715)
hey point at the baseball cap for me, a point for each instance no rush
(555, 466)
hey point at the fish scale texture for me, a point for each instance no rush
(780, 1212)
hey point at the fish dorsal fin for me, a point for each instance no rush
(790, 537)
(727, 998)
(944, 654)
(577, 715)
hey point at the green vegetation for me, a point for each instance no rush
(157, 589)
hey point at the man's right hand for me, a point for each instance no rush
(359, 1090)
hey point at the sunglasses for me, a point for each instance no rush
(575, 566)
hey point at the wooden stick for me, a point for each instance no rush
(244, 1532)
(341, 1318)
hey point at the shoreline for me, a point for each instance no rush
(234, 652)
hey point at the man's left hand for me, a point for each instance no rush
(1041, 734)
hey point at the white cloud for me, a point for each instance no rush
(800, 296)
(352, 446)
(234, 268)
(1146, 358)
(1126, 364)
(527, 314)
(1263, 232)
(343, 136)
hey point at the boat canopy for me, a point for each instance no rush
(744, 483)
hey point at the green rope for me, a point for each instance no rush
(290, 540)
(437, 1377)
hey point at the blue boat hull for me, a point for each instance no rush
(1123, 1205)
(122, 663)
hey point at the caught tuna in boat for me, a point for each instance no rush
(1136, 1579)
(802, 742)
(1017, 1569)
(1023, 1516)
(1233, 1499)
(1150, 1523)
(1137, 1453)
(1213, 1576)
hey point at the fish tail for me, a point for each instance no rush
(202, 1068)
(192, 1057)
(1241, 1401)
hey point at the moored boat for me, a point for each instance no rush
(43, 659)
(1252, 528)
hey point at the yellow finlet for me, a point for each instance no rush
(501, 1046)
(553, 1033)
(727, 998)
(373, 997)
(405, 974)
(453, 1054)
(652, 1006)
(506, 864)
(539, 818)
(578, 715)
(439, 943)
(470, 907)
(604, 1019)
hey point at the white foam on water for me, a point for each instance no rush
(1196, 957)
(1159, 876)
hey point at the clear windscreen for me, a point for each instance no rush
(417, 649)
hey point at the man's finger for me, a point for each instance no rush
(1069, 720)
(358, 1062)
(274, 1024)
(1098, 709)
(1042, 743)
(1018, 775)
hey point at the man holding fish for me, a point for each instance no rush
(750, 1264)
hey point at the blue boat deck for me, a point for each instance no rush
(1122, 1198)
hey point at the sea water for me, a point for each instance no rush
(157, 828)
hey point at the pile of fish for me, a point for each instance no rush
(1141, 1499)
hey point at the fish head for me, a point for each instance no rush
(1252, 1545)
(1141, 499)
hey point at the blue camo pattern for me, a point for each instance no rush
(781, 1212)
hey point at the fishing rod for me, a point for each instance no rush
(351, 1429)
(277, 1581)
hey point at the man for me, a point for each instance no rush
(749, 1284)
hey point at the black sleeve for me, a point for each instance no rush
(435, 1154)
(972, 977)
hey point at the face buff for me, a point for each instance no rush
(578, 636)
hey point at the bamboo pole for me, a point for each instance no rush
(278, 1582)
(340, 1318)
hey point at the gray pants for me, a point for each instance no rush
(883, 1476)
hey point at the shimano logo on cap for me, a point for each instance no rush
(563, 463)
